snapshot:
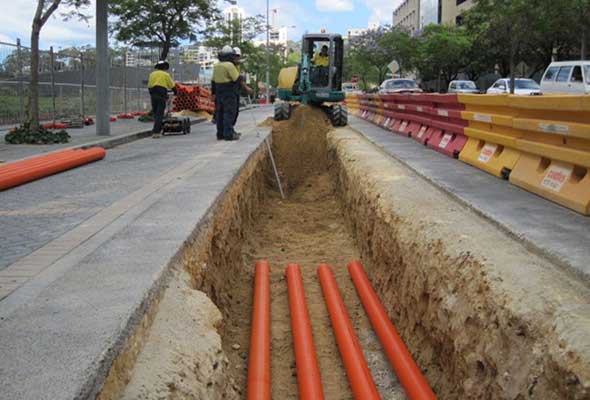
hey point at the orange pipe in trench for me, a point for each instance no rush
(359, 376)
(410, 376)
(308, 373)
(259, 358)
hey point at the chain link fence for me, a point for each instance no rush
(67, 80)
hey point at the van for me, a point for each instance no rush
(571, 77)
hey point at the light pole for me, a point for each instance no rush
(103, 94)
(267, 54)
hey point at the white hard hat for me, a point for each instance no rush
(226, 50)
(237, 51)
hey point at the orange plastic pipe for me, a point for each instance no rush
(410, 376)
(259, 358)
(359, 376)
(308, 373)
(20, 172)
(30, 161)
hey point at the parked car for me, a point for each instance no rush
(390, 86)
(523, 87)
(567, 77)
(351, 87)
(463, 87)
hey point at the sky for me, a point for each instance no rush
(335, 16)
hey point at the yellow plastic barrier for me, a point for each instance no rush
(555, 148)
(491, 143)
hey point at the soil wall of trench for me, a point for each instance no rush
(483, 317)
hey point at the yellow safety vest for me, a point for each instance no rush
(160, 78)
(320, 61)
(225, 72)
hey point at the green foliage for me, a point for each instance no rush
(160, 23)
(25, 135)
(442, 50)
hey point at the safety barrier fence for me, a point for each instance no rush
(540, 143)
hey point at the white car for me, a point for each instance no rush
(467, 87)
(351, 88)
(523, 87)
(571, 77)
(390, 86)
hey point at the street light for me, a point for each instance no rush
(267, 53)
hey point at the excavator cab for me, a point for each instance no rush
(317, 80)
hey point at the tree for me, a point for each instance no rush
(368, 50)
(401, 47)
(161, 23)
(45, 9)
(443, 51)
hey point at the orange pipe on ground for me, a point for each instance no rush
(308, 373)
(410, 376)
(24, 171)
(259, 358)
(359, 376)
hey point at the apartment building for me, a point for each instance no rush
(414, 15)
(452, 10)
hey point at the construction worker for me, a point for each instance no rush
(237, 59)
(321, 59)
(159, 83)
(225, 87)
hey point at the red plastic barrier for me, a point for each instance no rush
(259, 357)
(125, 116)
(19, 172)
(361, 382)
(423, 136)
(112, 119)
(308, 373)
(406, 369)
(448, 143)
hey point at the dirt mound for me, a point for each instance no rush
(299, 145)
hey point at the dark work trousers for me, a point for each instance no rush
(237, 109)
(158, 95)
(226, 108)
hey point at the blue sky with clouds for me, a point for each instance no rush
(305, 15)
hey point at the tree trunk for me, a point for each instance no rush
(583, 44)
(512, 65)
(34, 83)
(165, 50)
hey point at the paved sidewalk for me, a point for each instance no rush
(558, 233)
(113, 227)
(81, 136)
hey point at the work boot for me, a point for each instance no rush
(156, 135)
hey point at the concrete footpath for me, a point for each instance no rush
(547, 228)
(122, 131)
(95, 244)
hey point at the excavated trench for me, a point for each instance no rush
(461, 307)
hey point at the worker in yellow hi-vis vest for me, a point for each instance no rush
(159, 83)
(225, 87)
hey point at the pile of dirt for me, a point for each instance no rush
(299, 145)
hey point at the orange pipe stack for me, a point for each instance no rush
(308, 373)
(19, 172)
(259, 358)
(410, 376)
(361, 382)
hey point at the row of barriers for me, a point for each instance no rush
(539, 143)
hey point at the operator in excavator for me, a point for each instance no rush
(321, 61)
(225, 87)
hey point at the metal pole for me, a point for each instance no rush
(20, 89)
(267, 55)
(52, 74)
(125, 82)
(103, 95)
(137, 81)
(82, 89)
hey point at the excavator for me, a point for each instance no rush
(316, 85)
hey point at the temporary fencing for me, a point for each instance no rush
(540, 143)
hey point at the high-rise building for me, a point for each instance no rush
(232, 13)
(414, 15)
(452, 10)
